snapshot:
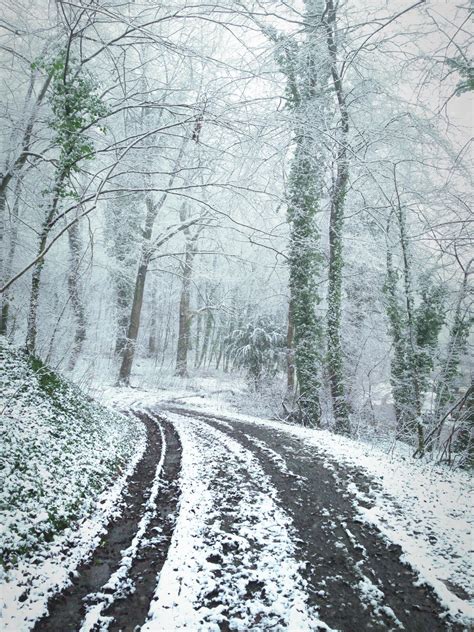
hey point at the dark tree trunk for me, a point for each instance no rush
(128, 351)
(134, 325)
(184, 314)
(335, 361)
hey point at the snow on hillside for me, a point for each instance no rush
(64, 461)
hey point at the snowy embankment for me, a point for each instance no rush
(425, 508)
(65, 460)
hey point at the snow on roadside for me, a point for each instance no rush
(51, 576)
(211, 565)
(65, 462)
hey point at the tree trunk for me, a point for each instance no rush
(399, 374)
(457, 344)
(32, 327)
(3, 264)
(290, 358)
(184, 314)
(134, 325)
(74, 294)
(152, 211)
(304, 263)
(221, 352)
(184, 332)
(415, 420)
(123, 299)
(198, 337)
(7, 265)
(128, 351)
(206, 337)
(152, 344)
(335, 361)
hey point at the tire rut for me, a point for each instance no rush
(334, 541)
(66, 610)
(130, 612)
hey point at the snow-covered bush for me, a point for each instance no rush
(258, 347)
(59, 451)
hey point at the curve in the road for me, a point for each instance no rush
(356, 579)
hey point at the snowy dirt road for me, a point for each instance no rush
(233, 526)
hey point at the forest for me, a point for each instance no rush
(265, 188)
(236, 315)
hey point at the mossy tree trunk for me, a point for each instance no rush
(306, 69)
(75, 296)
(414, 423)
(290, 358)
(32, 324)
(304, 263)
(457, 344)
(405, 373)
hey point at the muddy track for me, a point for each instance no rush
(130, 612)
(66, 611)
(340, 551)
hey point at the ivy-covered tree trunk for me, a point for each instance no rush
(74, 295)
(306, 67)
(75, 104)
(413, 332)
(457, 344)
(32, 327)
(399, 374)
(304, 264)
(414, 422)
(335, 362)
(290, 358)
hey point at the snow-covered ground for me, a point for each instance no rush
(64, 461)
(427, 509)
(424, 508)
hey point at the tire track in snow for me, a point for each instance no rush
(231, 565)
(132, 550)
(123, 603)
(355, 577)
